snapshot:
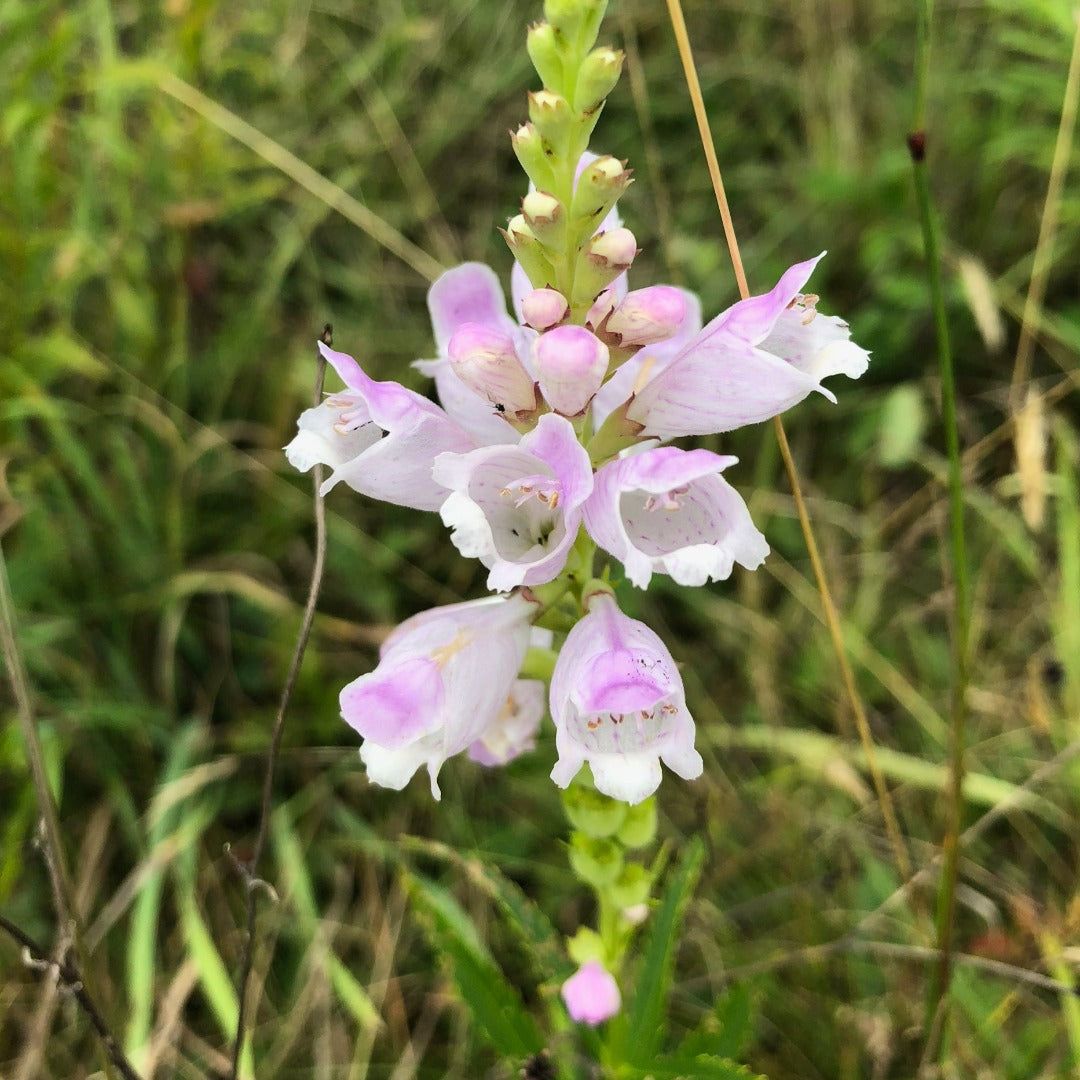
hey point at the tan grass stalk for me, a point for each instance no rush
(832, 618)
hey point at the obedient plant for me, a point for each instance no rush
(545, 457)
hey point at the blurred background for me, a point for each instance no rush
(165, 276)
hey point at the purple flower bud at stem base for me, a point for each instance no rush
(544, 308)
(591, 994)
(571, 364)
(648, 316)
(484, 359)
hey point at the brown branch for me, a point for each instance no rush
(71, 980)
(251, 868)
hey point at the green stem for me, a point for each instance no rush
(946, 900)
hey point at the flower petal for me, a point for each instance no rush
(467, 293)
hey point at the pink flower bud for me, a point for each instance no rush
(544, 308)
(647, 316)
(571, 364)
(603, 305)
(591, 994)
(485, 361)
(614, 248)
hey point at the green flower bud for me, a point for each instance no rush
(639, 828)
(543, 47)
(596, 862)
(578, 20)
(631, 887)
(599, 73)
(553, 118)
(528, 251)
(599, 187)
(532, 154)
(546, 217)
(601, 261)
(593, 814)
(584, 946)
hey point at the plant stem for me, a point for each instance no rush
(250, 871)
(946, 900)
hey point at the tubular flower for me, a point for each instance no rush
(668, 511)
(513, 731)
(469, 293)
(378, 437)
(443, 679)
(591, 994)
(618, 703)
(729, 376)
(518, 508)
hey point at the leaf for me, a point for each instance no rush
(698, 1067)
(643, 1027)
(903, 421)
(723, 1032)
(494, 1004)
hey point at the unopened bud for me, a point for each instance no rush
(596, 862)
(529, 252)
(571, 364)
(647, 316)
(553, 118)
(602, 307)
(486, 361)
(604, 258)
(545, 216)
(614, 249)
(598, 189)
(632, 887)
(599, 73)
(577, 20)
(639, 828)
(544, 308)
(528, 146)
(543, 48)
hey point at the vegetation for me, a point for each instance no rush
(167, 272)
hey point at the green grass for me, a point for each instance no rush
(163, 286)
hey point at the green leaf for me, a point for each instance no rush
(725, 1030)
(642, 1027)
(698, 1067)
(494, 1004)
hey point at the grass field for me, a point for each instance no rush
(189, 192)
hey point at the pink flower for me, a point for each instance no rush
(469, 293)
(668, 511)
(347, 431)
(648, 316)
(618, 703)
(513, 731)
(752, 362)
(486, 361)
(571, 364)
(591, 994)
(518, 508)
(443, 678)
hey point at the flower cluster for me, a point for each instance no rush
(549, 446)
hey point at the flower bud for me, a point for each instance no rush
(595, 862)
(552, 116)
(639, 828)
(592, 813)
(591, 994)
(599, 73)
(603, 259)
(543, 49)
(529, 251)
(576, 20)
(647, 316)
(602, 307)
(544, 308)
(545, 216)
(585, 945)
(528, 146)
(598, 188)
(571, 364)
(485, 361)
(631, 887)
